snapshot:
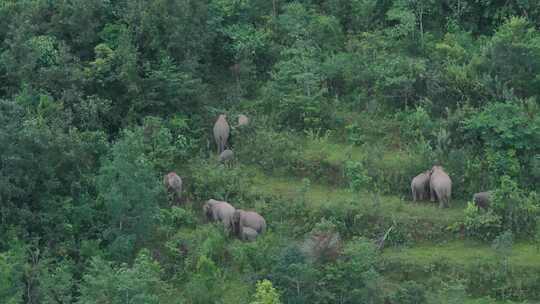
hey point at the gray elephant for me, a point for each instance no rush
(248, 234)
(243, 120)
(250, 219)
(482, 199)
(420, 186)
(440, 186)
(221, 133)
(173, 184)
(226, 157)
(219, 211)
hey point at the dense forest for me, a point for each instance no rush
(110, 171)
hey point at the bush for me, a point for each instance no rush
(130, 191)
(511, 209)
(107, 283)
(393, 173)
(266, 293)
(210, 180)
(410, 292)
(323, 244)
(269, 149)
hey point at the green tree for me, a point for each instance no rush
(266, 293)
(131, 192)
(12, 264)
(107, 283)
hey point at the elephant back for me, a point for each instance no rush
(253, 220)
(221, 127)
(173, 181)
(226, 155)
(243, 120)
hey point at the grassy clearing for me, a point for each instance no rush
(319, 195)
(462, 253)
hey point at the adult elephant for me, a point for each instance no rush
(173, 184)
(482, 199)
(220, 211)
(221, 133)
(420, 186)
(440, 186)
(248, 219)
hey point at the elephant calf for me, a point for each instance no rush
(173, 184)
(440, 186)
(482, 199)
(226, 156)
(420, 186)
(248, 234)
(248, 219)
(220, 211)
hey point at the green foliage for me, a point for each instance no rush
(502, 244)
(505, 126)
(410, 292)
(11, 274)
(209, 180)
(131, 192)
(323, 244)
(98, 99)
(357, 175)
(359, 285)
(207, 284)
(266, 293)
(516, 43)
(270, 150)
(483, 225)
(141, 283)
(511, 210)
(416, 125)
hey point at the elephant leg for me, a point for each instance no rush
(413, 195)
(440, 198)
(432, 194)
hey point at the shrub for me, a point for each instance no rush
(481, 225)
(323, 244)
(130, 192)
(270, 150)
(357, 175)
(266, 293)
(360, 285)
(209, 180)
(410, 292)
(107, 283)
(511, 209)
(415, 125)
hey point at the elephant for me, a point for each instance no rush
(248, 234)
(220, 211)
(420, 186)
(226, 156)
(482, 199)
(440, 186)
(221, 133)
(250, 219)
(243, 120)
(173, 184)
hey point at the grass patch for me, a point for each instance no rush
(321, 195)
(463, 253)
